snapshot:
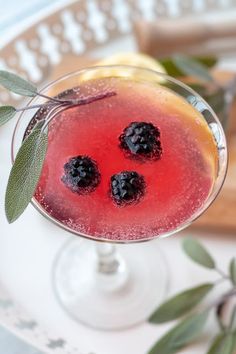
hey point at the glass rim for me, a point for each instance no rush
(208, 202)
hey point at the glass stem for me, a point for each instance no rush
(107, 258)
(111, 269)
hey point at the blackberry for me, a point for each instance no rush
(81, 174)
(141, 139)
(127, 187)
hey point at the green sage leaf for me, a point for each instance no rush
(181, 335)
(216, 343)
(198, 253)
(232, 270)
(25, 174)
(6, 113)
(180, 304)
(234, 339)
(39, 125)
(223, 344)
(16, 84)
(192, 67)
(208, 61)
(173, 70)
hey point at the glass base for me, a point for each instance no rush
(110, 301)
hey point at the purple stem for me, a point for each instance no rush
(31, 107)
(72, 102)
(58, 100)
(90, 99)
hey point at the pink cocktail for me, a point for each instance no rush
(177, 182)
(140, 164)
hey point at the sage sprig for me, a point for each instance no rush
(180, 304)
(16, 84)
(174, 70)
(190, 328)
(198, 253)
(223, 344)
(181, 335)
(28, 164)
(6, 113)
(25, 174)
(192, 67)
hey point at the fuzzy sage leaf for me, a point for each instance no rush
(16, 84)
(6, 113)
(173, 70)
(232, 270)
(25, 174)
(223, 344)
(181, 335)
(180, 304)
(192, 67)
(216, 344)
(198, 253)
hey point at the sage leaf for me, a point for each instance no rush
(216, 344)
(223, 344)
(16, 84)
(25, 174)
(173, 70)
(180, 304)
(181, 335)
(39, 125)
(207, 61)
(198, 253)
(192, 67)
(6, 113)
(234, 339)
(232, 270)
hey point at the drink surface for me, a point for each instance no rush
(177, 184)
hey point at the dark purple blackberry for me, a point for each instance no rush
(141, 139)
(81, 174)
(127, 187)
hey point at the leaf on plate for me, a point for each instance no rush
(180, 304)
(25, 174)
(181, 335)
(198, 253)
(16, 84)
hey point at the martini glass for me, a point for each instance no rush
(108, 277)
